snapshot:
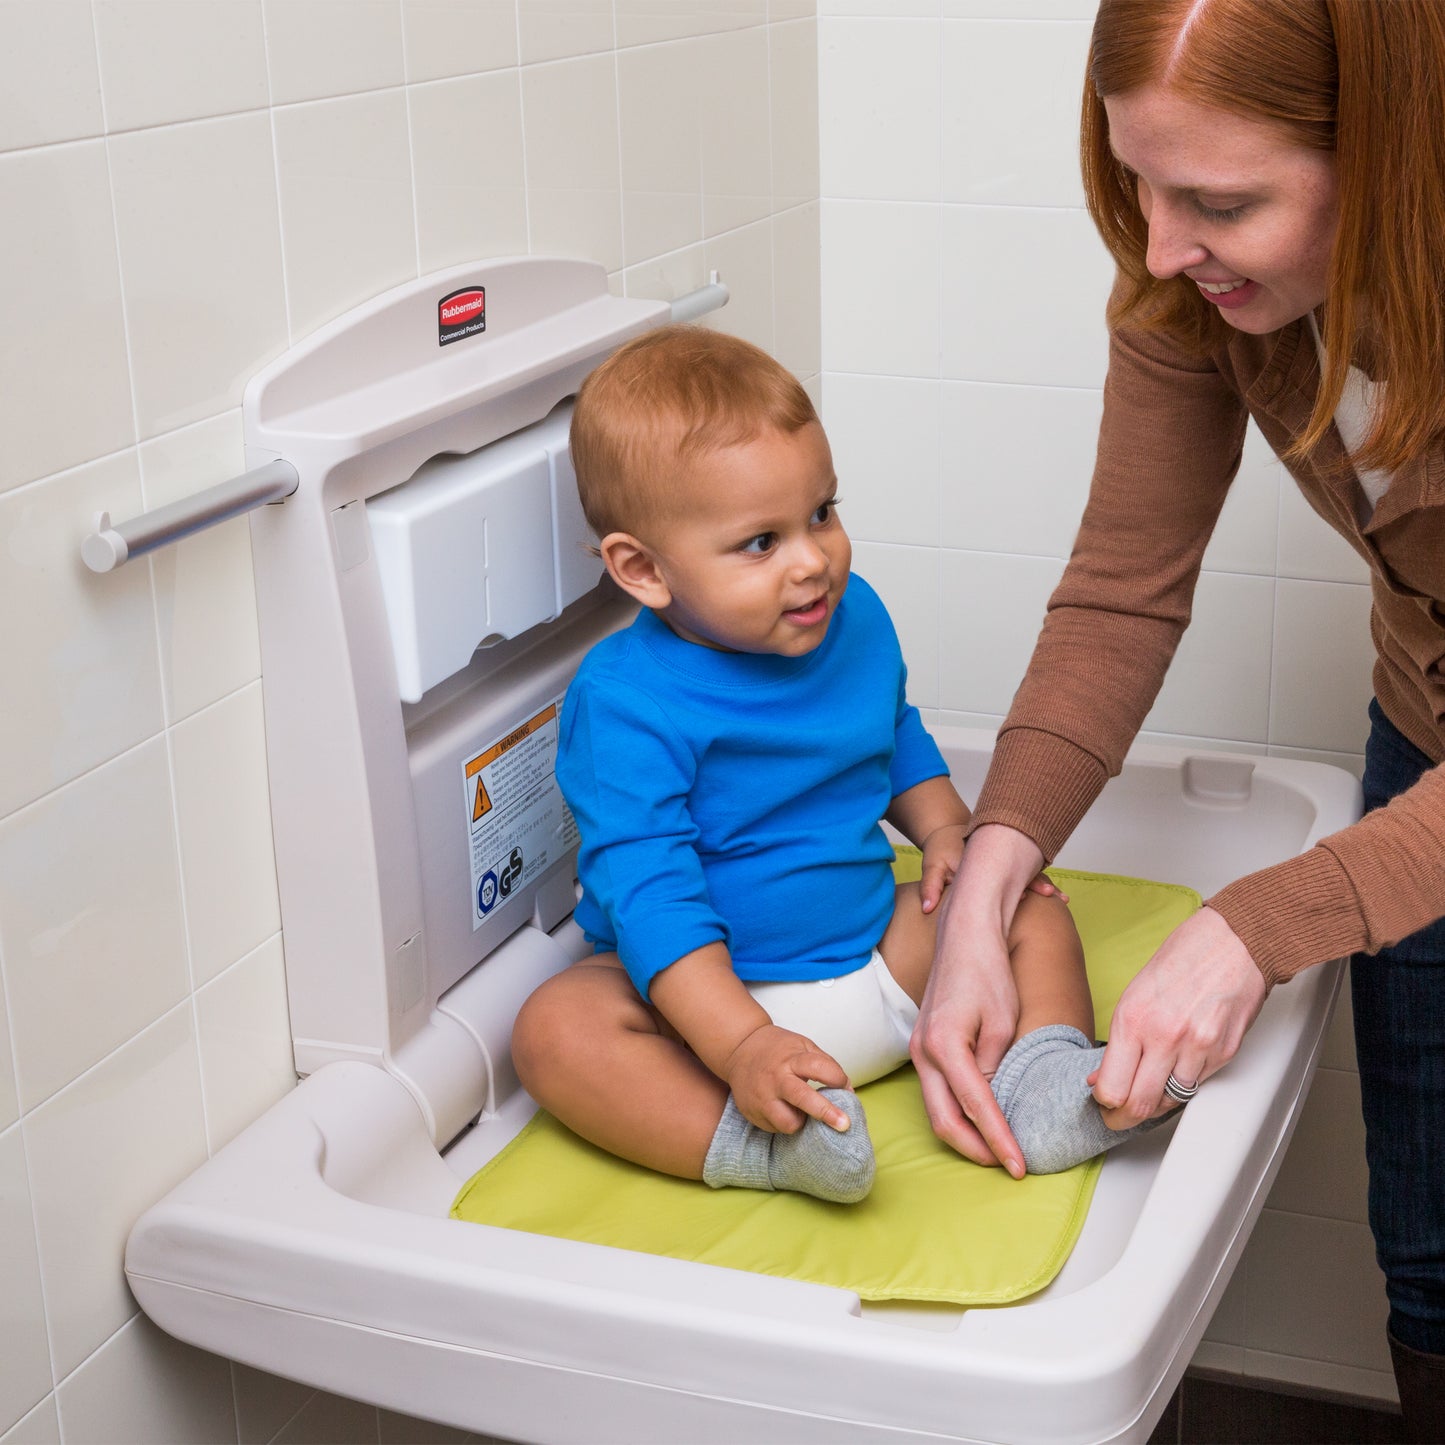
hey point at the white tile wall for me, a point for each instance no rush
(64, 376)
(9, 1098)
(1010, 113)
(110, 1402)
(100, 1151)
(49, 79)
(1323, 660)
(736, 127)
(879, 105)
(170, 60)
(226, 863)
(797, 317)
(556, 29)
(574, 197)
(794, 104)
(471, 192)
(880, 287)
(1247, 537)
(885, 435)
(121, 956)
(87, 651)
(446, 39)
(344, 174)
(27, 1376)
(661, 146)
(1219, 684)
(306, 59)
(245, 1046)
(1016, 463)
(200, 250)
(188, 189)
(963, 356)
(961, 287)
(40, 1427)
(1023, 290)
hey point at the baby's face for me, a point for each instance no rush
(757, 560)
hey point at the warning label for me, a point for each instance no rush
(519, 823)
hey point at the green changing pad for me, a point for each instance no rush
(935, 1226)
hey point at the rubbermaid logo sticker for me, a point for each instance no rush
(462, 314)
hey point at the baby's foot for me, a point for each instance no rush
(1042, 1088)
(817, 1160)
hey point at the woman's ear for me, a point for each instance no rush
(634, 568)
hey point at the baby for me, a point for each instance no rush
(728, 758)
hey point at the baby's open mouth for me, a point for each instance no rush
(814, 612)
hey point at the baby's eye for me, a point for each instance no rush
(760, 545)
(825, 513)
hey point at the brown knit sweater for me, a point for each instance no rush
(1169, 446)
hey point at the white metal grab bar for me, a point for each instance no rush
(115, 542)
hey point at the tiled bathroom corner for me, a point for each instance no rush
(201, 187)
(191, 222)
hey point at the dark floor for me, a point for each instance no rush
(1211, 1412)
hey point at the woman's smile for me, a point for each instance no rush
(1232, 204)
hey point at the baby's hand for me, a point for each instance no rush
(768, 1073)
(1047, 888)
(942, 853)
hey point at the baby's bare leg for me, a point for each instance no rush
(1048, 967)
(589, 1049)
(1044, 948)
(907, 945)
(1042, 1082)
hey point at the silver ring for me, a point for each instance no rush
(1180, 1093)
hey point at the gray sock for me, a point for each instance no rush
(1041, 1088)
(817, 1160)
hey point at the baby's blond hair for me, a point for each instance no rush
(662, 400)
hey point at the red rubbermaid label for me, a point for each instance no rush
(461, 314)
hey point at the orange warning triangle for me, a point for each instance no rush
(483, 805)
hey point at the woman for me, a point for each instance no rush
(1270, 178)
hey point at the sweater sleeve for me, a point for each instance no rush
(1169, 445)
(1358, 890)
(626, 774)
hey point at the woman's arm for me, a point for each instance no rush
(1362, 888)
(970, 1008)
(1169, 445)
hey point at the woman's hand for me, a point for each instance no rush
(1184, 1014)
(943, 851)
(970, 1008)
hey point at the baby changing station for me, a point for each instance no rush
(425, 594)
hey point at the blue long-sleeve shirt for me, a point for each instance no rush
(736, 797)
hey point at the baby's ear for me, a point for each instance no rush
(633, 567)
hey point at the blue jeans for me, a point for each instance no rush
(1399, 1002)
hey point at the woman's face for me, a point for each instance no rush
(1232, 203)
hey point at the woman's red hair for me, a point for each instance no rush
(1364, 79)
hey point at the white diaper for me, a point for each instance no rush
(863, 1019)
